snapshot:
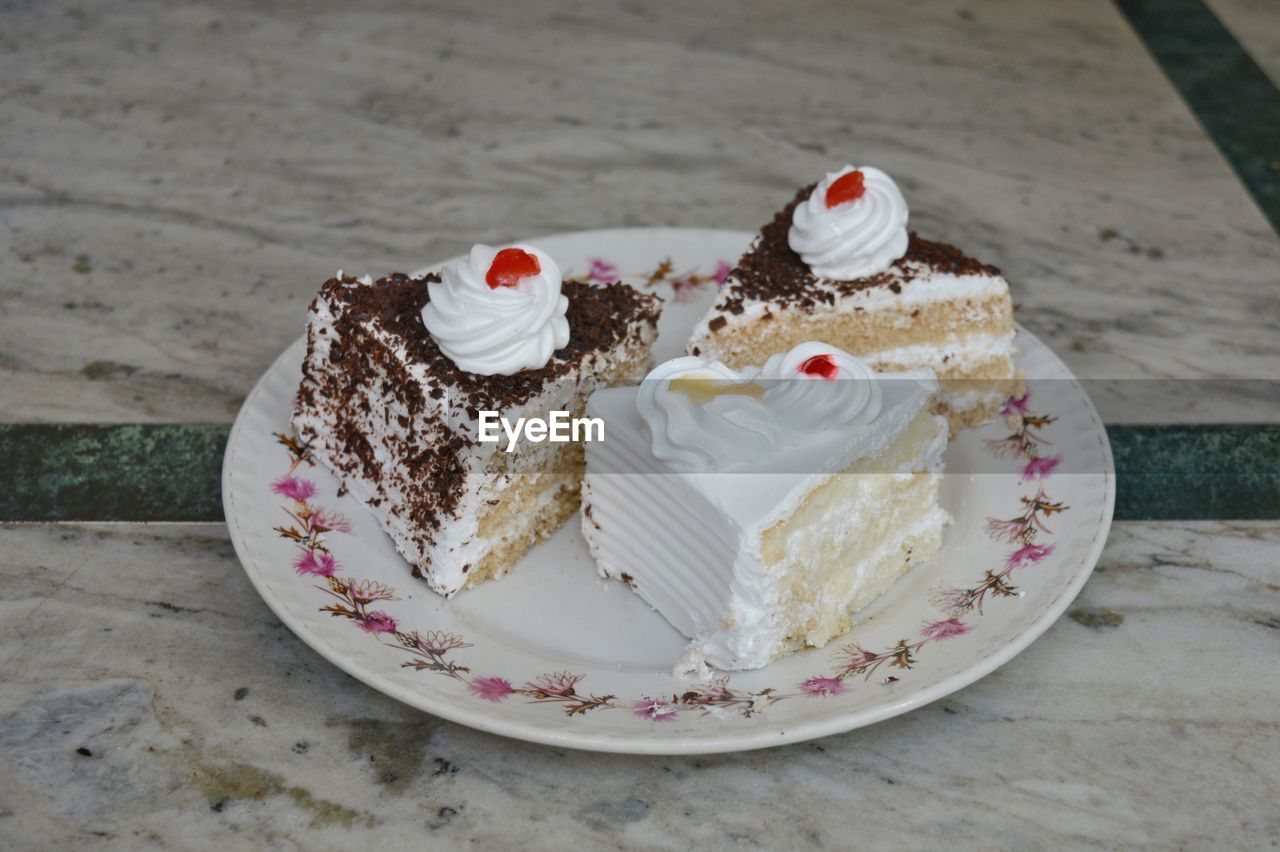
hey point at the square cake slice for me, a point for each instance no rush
(757, 512)
(882, 293)
(396, 419)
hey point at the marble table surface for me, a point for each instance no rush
(1256, 23)
(151, 700)
(177, 178)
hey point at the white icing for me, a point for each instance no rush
(857, 238)
(497, 330)
(697, 436)
(806, 403)
(692, 541)
(964, 353)
(784, 408)
(363, 279)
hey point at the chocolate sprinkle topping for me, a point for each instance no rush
(598, 319)
(772, 272)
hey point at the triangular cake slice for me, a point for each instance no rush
(396, 418)
(758, 510)
(929, 306)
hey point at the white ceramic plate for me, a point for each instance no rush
(554, 655)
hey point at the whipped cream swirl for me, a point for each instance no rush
(703, 416)
(694, 409)
(854, 239)
(806, 399)
(497, 330)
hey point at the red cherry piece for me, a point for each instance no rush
(820, 365)
(848, 187)
(509, 266)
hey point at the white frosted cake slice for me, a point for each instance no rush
(838, 264)
(757, 511)
(398, 371)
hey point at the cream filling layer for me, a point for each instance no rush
(922, 285)
(965, 352)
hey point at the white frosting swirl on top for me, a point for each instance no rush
(497, 330)
(701, 433)
(703, 416)
(808, 401)
(855, 239)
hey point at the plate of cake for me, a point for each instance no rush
(660, 490)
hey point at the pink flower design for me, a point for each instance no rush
(438, 642)
(948, 628)
(602, 270)
(376, 622)
(1011, 531)
(1016, 405)
(656, 710)
(493, 689)
(820, 687)
(1028, 553)
(952, 600)
(301, 490)
(556, 683)
(721, 274)
(855, 656)
(1006, 448)
(686, 289)
(1041, 468)
(317, 563)
(365, 592)
(326, 521)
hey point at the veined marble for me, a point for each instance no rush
(151, 700)
(176, 180)
(1256, 25)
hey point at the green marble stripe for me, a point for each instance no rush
(1211, 472)
(106, 472)
(171, 472)
(1233, 98)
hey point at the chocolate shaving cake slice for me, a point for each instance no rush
(398, 371)
(838, 264)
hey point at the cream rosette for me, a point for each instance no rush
(498, 330)
(854, 239)
(816, 387)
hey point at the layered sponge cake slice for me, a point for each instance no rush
(838, 264)
(758, 510)
(399, 370)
